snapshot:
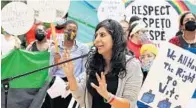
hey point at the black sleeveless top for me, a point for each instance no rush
(34, 47)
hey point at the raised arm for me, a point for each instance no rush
(77, 88)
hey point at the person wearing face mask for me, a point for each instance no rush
(41, 43)
(59, 30)
(113, 78)
(148, 53)
(137, 36)
(187, 38)
(76, 49)
(30, 35)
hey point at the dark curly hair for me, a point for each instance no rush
(96, 62)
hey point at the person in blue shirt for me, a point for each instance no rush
(76, 49)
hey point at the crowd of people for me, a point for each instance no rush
(114, 74)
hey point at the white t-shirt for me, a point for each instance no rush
(9, 44)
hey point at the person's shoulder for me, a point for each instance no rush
(175, 40)
(132, 64)
(29, 47)
(17, 39)
(32, 43)
(82, 45)
(132, 60)
(50, 42)
(53, 48)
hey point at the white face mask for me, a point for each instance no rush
(146, 66)
(143, 38)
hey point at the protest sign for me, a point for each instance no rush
(160, 17)
(49, 10)
(17, 18)
(111, 9)
(171, 79)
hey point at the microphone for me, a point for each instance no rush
(6, 81)
(93, 50)
(91, 53)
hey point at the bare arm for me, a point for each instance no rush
(69, 71)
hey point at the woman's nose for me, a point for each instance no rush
(97, 39)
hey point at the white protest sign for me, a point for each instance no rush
(159, 16)
(111, 9)
(17, 18)
(192, 103)
(171, 81)
(49, 10)
(58, 88)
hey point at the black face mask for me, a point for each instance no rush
(190, 26)
(40, 35)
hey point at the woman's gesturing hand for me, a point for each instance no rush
(68, 67)
(102, 87)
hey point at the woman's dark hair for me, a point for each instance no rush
(96, 63)
(183, 16)
(130, 29)
(179, 33)
(133, 18)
